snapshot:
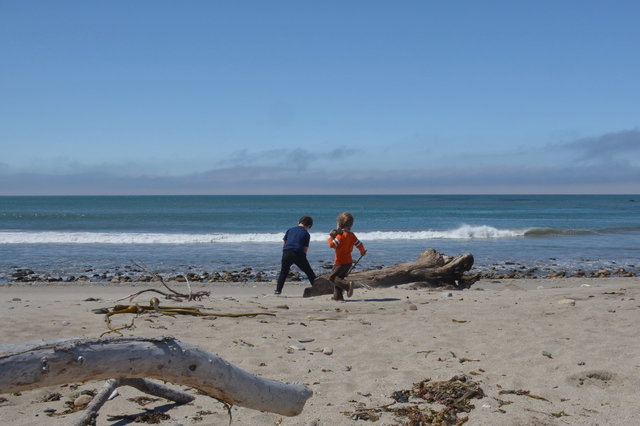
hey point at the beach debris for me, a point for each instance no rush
(454, 394)
(152, 417)
(77, 403)
(155, 307)
(82, 400)
(311, 318)
(199, 417)
(21, 366)
(599, 378)
(522, 392)
(547, 354)
(502, 402)
(53, 396)
(173, 295)
(143, 400)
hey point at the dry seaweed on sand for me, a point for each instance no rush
(151, 417)
(155, 307)
(456, 391)
(454, 394)
(523, 392)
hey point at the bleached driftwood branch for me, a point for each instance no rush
(91, 411)
(172, 293)
(40, 364)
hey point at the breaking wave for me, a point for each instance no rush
(465, 232)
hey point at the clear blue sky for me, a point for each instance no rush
(297, 97)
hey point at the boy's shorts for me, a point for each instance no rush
(339, 271)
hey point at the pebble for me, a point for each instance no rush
(413, 307)
(82, 400)
(297, 347)
(446, 294)
(306, 340)
(568, 302)
(327, 351)
(65, 323)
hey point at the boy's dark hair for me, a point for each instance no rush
(306, 221)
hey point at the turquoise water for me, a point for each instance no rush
(65, 235)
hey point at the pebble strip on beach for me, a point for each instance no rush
(135, 274)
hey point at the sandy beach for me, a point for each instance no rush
(537, 352)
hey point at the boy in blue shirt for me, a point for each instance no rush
(294, 251)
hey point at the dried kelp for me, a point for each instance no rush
(454, 394)
(155, 307)
(522, 392)
(151, 417)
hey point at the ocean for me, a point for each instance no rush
(67, 236)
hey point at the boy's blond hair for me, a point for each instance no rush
(345, 220)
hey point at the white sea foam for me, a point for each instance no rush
(464, 232)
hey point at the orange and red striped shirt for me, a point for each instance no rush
(343, 244)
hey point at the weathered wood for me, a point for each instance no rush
(90, 413)
(431, 269)
(41, 364)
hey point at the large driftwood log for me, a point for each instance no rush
(431, 269)
(40, 364)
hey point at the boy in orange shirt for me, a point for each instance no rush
(343, 241)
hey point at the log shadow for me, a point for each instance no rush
(127, 419)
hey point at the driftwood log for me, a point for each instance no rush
(431, 269)
(40, 364)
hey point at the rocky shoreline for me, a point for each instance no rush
(128, 274)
